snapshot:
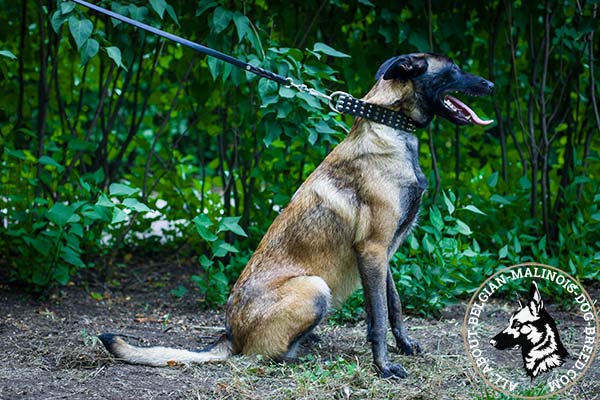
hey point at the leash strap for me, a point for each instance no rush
(345, 103)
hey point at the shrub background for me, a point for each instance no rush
(105, 129)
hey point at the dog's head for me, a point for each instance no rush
(523, 325)
(419, 86)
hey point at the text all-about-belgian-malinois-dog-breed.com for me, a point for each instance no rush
(340, 229)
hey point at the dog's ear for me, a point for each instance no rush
(535, 299)
(402, 68)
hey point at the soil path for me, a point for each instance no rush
(48, 350)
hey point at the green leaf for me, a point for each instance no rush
(525, 183)
(503, 253)
(221, 20)
(493, 180)
(449, 204)
(7, 54)
(435, 216)
(322, 127)
(57, 20)
(19, 154)
(159, 6)
(118, 216)
(96, 296)
(286, 92)
(230, 224)
(115, 54)
(61, 274)
(496, 198)
(172, 14)
(463, 228)
(72, 257)
(104, 201)
(42, 245)
(220, 281)
(135, 205)
(89, 49)
(119, 189)
(473, 209)
(137, 13)
(325, 49)
(205, 262)
(205, 6)
(214, 66)
(179, 292)
(469, 253)
(273, 132)
(428, 244)
(81, 30)
(310, 100)
(242, 26)
(45, 160)
(221, 249)
(312, 137)
(203, 223)
(66, 7)
(59, 214)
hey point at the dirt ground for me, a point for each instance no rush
(48, 350)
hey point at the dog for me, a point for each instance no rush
(533, 330)
(340, 229)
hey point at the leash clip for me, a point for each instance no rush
(301, 87)
(338, 105)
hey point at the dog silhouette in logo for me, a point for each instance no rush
(533, 330)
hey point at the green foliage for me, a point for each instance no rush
(214, 283)
(106, 131)
(350, 311)
(443, 261)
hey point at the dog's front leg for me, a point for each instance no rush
(373, 272)
(405, 344)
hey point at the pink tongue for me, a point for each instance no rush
(463, 107)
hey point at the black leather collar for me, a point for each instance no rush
(349, 105)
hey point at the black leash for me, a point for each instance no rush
(345, 103)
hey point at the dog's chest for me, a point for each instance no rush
(410, 186)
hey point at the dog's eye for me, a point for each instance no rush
(516, 325)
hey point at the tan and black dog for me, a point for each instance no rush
(340, 229)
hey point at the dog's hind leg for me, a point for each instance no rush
(405, 344)
(304, 301)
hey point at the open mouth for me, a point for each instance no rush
(460, 113)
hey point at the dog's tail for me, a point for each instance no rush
(159, 356)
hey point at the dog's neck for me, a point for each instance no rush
(400, 98)
(368, 137)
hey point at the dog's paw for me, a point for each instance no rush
(312, 338)
(408, 346)
(392, 371)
